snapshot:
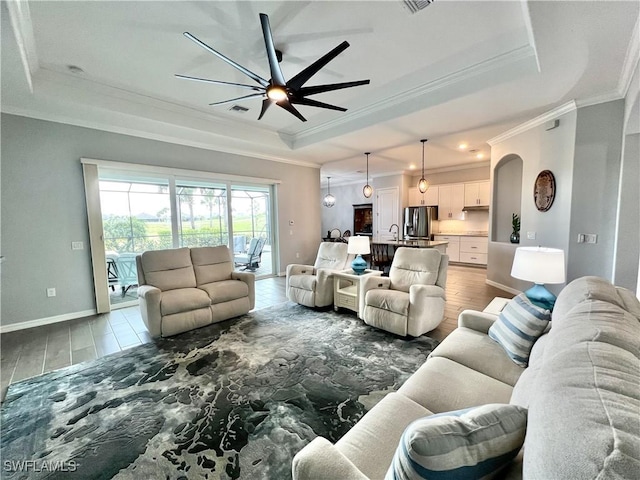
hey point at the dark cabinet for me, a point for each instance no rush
(363, 219)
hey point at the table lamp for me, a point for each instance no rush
(539, 265)
(358, 246)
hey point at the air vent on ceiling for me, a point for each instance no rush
(239, 109)
(415, 6)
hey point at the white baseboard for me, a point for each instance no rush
(12, 327)
(503, 287)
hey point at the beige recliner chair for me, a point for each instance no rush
(185, 288)
(411, 300)
(312, 285)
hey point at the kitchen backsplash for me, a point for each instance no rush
(473, 222)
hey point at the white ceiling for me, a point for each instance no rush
(457, 71)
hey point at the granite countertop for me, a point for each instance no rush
(464, 234)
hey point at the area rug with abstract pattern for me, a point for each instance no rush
(232, 400)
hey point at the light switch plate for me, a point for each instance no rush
(77, 246)
(531, 235)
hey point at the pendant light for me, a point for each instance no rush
(367, 190)
(329, 200)
(423, 185)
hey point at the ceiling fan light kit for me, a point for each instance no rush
(367, 190)
(277, 90)
(423, 184)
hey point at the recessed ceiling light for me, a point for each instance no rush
(75, 69)
(412, 167)
(462, 146)
(480, 155)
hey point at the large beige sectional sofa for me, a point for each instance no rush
(185, 288)
(581, 388)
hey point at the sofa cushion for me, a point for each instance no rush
(225, 290)
(518, 326)
(370, 444)
(585, 288)
(211, 264)
(464, 444)
(183, 300)
(168, 269)
(442, 385)
(479, 352)
(414, 265)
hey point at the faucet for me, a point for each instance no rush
(396, 236)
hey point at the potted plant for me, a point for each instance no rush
(515, 225)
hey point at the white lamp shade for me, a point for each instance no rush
(539, 265)
(358, 245)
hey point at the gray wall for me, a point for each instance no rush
(539, 150)
(43, 208)
(628, 241)
(596, 178)
(584, 154)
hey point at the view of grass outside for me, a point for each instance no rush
(136, 216)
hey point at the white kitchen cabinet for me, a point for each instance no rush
(428, 199)
(476, 194)
(453, 247)
(474, 250)
(451, 202)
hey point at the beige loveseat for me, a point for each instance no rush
(186, 288)
(582, 391)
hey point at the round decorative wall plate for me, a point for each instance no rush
(544, 190)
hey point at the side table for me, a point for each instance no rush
(346, 288)
(496, 305)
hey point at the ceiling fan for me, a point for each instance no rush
(277, 90)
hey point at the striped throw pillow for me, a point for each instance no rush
(474, 443)
(518, 327)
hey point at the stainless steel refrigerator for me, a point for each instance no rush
(417, 221)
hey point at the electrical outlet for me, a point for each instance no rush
(531, 235)
(51, 292)
(297, 255)
(591, 238)
(77, 246)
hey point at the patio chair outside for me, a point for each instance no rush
(251, 260)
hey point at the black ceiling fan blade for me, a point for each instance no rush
(237, 99)
(218, 82)
(302, 77)
(291, 109)
(314, 103)
(235, 65)
(266, 103)
(277, 78)
(304, 91)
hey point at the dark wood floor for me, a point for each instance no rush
(466, 290)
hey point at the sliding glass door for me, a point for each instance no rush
(251, 221)
(140, 211)
(202, 215)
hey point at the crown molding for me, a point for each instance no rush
(20, 17)
(597, 99)
(108, 127)
(302, 138)
(534, 122)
